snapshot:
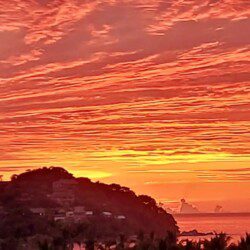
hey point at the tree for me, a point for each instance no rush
(244, 243)
(219, 242)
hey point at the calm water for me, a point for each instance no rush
(236, 225)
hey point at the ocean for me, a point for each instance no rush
(234, 224)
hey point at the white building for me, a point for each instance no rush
(89, 213)
(107, 214)
(120, 217)
(38, 211)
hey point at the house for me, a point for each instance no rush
(70, 215)
(38, 211)
(79, 210)
(79, 213)
(60, 215)
(76, 214)
(89, 213)
(120, 217)
(64, 192)
(107, 214)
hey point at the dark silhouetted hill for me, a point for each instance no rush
(34, 188)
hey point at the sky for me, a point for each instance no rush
(151, 94)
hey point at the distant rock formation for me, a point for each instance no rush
(218, 209)
(187, 208)
(195, 233)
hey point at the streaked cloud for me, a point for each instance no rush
(130, 87)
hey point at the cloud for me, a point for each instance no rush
(182, 11)
(126, 83)
(33, 55)
(43, 22)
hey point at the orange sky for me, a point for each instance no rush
(150, 94)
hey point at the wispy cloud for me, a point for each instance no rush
(126, 83)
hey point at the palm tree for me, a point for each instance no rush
(121, 244)
(171, 240)
(80, 232)
(219, 242)
(44, 245)
(162, 244)
(90, 245)
(244, 243)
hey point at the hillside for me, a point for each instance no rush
(103, 209)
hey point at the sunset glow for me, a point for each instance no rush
(154, 95)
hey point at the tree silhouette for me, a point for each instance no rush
(219, 242)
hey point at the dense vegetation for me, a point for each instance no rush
(32, 188)
(66, 238)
